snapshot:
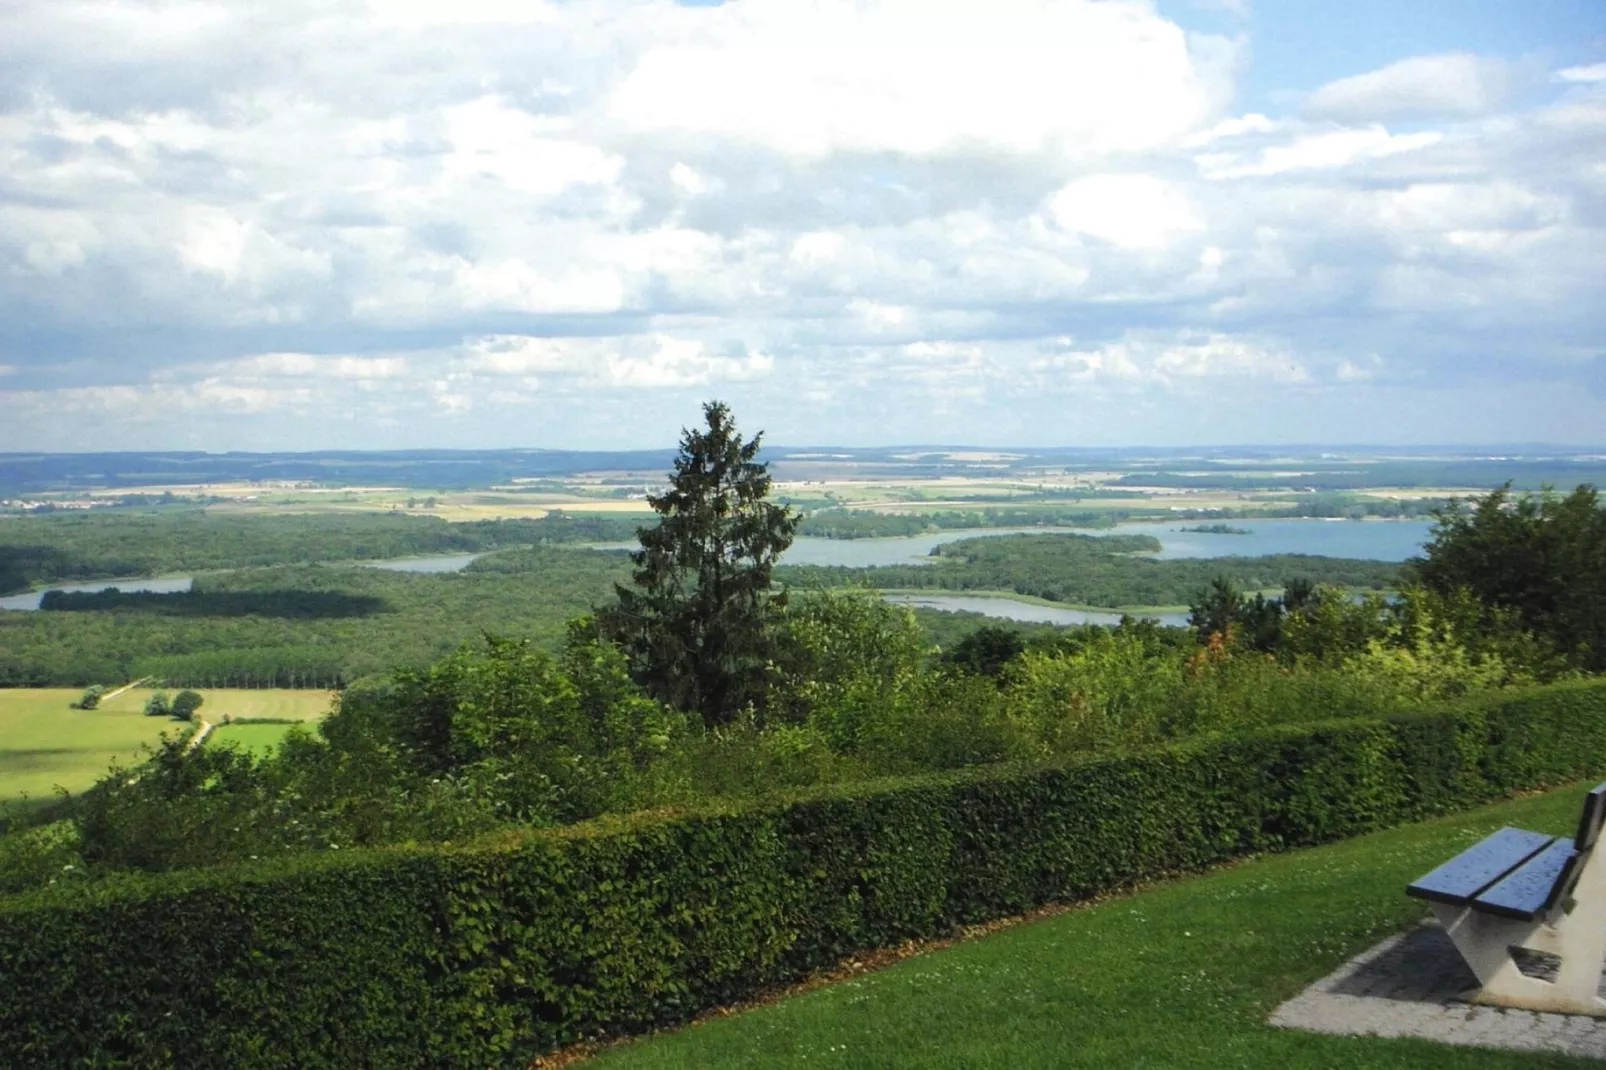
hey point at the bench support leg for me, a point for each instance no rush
(1578, 938)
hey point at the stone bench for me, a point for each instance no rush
(1519, 889)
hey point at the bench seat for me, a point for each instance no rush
(1459, 880)
(1533, 887)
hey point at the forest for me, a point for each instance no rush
(299, 625)
(63, 547)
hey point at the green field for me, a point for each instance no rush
(45, 744)
(1181, 975)
(259, 739)
(237, 703)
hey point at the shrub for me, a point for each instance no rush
(185, 703)
(90, 699)
(157, 705)
(39, 855)
(478, 955)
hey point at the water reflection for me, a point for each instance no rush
(1010, 609)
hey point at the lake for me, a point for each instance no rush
(1010, 609)
(1370, 540)
(1375, 540)
(436, 563)
(163, 585)
(1367, 540)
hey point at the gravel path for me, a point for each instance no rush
(201, 732)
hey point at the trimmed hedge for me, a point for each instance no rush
(485, 954)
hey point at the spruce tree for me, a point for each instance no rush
(698, 626)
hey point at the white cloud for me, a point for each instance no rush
(213, 241)
(1168, 359)
(429, 14)
(1357, 371)
(688, 179)
(907, 76)
(1133, 211)
(492, 140)
(516, 284)
(650, 362)
(1455, 84)
(1323, 151)
(1238, 126)
(316, 366)
(1595, 72)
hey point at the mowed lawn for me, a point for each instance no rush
(45, 744)
(259, 739)
(1180, 975)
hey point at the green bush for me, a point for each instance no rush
(185, 703)
(483, 954)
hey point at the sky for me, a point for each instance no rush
(565, 223)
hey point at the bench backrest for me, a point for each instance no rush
(1589, 821)
(1589, 826)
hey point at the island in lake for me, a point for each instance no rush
(1215, 529)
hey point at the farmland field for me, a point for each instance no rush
(237, 703)
(45, 744)
(258, 739)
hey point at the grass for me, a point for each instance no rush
(259, 739)
(45, 744)
(240, 702)
(1180, 975)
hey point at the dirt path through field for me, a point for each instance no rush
(113, 694)
(200, 735)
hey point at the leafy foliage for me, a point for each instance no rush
(1540, 558)
(487, 953)
(986, 650)
(185, 703)
(502, 734)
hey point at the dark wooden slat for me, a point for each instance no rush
(1459, 880)
(1526, 891)
(1589, 821)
